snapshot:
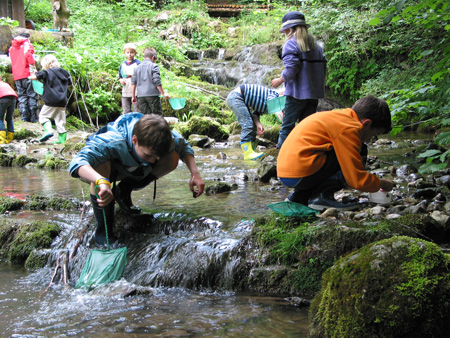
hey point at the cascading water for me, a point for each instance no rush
(250, 65)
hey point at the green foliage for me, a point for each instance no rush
(40, 11)
(436, 159)
(8, 22)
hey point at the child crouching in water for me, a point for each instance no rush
(56, 80)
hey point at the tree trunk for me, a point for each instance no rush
(60, 14)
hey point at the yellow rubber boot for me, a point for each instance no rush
(3, 137)
(249, 153)
(9, 137)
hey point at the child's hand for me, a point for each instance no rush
(277, 82)
(123, 81)
(260, 129)
(386, 185)
(32, 77)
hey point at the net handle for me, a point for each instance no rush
(104, 218)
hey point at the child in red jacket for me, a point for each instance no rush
(21, 54)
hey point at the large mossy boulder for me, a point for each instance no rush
(204, 126)
(397, 287)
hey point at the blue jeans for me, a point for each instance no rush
(236, 102)
(7, 106)
(295, 111)
(27, 100)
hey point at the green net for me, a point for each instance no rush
(177, 103)
(293, 209)
(276, 105)
(102, 266)
(38, 87)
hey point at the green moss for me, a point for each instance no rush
(6, 160)
(397, 287)
(22, 160)
(9, 204)
(74, 123)
(205, 126)
(19, 240)
(37, 259)
(52, 162)
(23, 134)
(38, 202)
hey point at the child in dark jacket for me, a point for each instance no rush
(56, 80)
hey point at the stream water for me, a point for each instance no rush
(195, 233)
(210, 225)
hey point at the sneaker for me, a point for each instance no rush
(320, 203)
(125, 202)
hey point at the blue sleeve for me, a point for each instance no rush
(181, 146)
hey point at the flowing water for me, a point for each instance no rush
(188, 237)
(180, 264)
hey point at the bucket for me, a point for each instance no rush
(38, 86)
(177, 103)
(380, 197)
(276, 105)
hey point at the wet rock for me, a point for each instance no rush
(444, 180)
(378, 210)
(221, 156)
(441, 218)
(425, 193)
(330, 213)
(266, 171)
(219, 188)
(201, 141)
(405, 170)
(420, 184)
(376, 292)
(298, 302)
(393, 216)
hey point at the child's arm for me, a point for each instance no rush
(196, 180)
(259, 126)
(133, 93)
(161, 90)
(104, 192)
(277, 82)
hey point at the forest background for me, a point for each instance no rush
(397, 50)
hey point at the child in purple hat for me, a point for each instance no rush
(303, 74)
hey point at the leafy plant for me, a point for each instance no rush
(436, 159)
(8, 22)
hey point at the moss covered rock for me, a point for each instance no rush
(397, 287)
(205, 126)
(18, 240)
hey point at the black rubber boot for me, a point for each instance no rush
(323, 197)
(100, 232)
(123, 193)
(300, 196)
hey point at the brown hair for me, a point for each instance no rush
(376, 110)
(154, 132)
(149, 53)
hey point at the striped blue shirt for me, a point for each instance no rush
(255, 97)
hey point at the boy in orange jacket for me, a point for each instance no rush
(326, 151)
